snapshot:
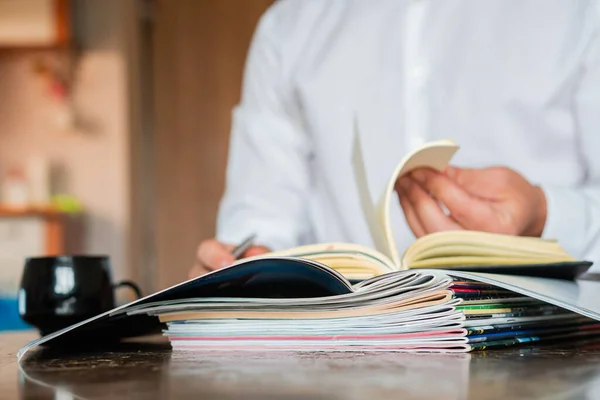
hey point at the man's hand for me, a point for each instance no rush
(496, 200)
(212, 255)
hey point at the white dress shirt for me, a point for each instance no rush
(514, 83)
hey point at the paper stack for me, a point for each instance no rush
(401, 311)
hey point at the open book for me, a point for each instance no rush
(464, 250)
(295, 304)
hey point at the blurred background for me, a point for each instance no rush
(114, 128)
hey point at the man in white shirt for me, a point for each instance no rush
(515, 84)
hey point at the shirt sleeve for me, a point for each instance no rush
(267, 179)
(573, 213)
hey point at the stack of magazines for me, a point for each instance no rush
(424, 311)
(497, 317)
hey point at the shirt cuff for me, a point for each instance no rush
(566, 219)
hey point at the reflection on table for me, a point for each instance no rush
(149, 369)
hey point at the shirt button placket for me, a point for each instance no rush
(416, 77)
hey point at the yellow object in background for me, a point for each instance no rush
(66, 203)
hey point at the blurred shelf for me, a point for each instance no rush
(39, 230)
(35, 25)
(10, 211)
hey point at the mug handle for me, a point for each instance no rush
(131, 285)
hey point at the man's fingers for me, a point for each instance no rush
(429, 213)
(464, 208)
(482, 183)
(409, 213)
(256, 251)
(213, 255)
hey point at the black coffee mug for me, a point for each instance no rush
(57, 292)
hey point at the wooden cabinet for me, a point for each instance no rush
(204, 44)
(34, 23)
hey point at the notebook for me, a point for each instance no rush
(465, 250)
(295, 304)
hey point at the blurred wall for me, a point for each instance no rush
(94, 155)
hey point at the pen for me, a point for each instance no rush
(243, 247)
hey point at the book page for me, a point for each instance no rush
(435, 155)
(368, 207)
(358, 255)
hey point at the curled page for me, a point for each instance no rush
(435, 155)
(368, 207)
